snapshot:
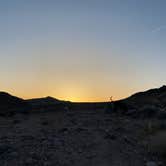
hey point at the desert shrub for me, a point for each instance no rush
(154, 126)
(16, 121)
(148, 111)
(161, 125)
(157, 145)
(44, 123)
(161, 115)
(155, 134)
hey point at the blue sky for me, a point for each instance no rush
(82, 50)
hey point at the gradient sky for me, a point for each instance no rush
(82, 50)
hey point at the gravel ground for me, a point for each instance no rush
(72, 138)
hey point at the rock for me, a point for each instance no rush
(131, 112)
(16, 121)
(151, 163)
(5, 149)
(91, 156)
(14, 154)
(29, 161)
(128, 140)
(161, 115)
(80, 151)
(44, 123)
(66, 108)
(63, 130)
(79, 129)
(47, 163)
(110, 136)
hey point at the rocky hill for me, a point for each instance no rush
(156, 97)
(10, 104)
(42, 102)
(144, 104)
(85, 134)
(46, 104)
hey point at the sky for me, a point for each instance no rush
(82, 50)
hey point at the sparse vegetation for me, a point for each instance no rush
(44, 123)
(157, 145)
(16, 121)
(134, 130)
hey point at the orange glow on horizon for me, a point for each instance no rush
(68, 97)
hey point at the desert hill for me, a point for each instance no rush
(11, 104)
(45, 101)
(83, 134)
(46, 104)
(7, 99)
(149, 103)
(155, 97)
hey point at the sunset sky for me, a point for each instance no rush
(82, 50)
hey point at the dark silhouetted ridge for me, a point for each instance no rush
(11, 104)
(9, 100)
(46, 104)
(155, 98)
(44, 101)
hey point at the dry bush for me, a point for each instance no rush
(157, 144)
(148, 111)
(155, 126)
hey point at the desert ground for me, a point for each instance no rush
(79, 138)
(79, 134)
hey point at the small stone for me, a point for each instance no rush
(110, 136)
(151, 163)
(47, 163)
(29, 161)
(4, 149)
(16, 121)
(44, 123)
(80, 151)
(63, 130)
(14, 154)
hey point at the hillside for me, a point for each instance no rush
(64, 133)
(10, 104)
(155, 97)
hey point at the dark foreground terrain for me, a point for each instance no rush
(76, 138)
(82, 134)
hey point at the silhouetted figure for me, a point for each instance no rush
(110, 106)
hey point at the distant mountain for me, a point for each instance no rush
(9, 103)
(152, 99)
(155, 97)
(150, 103)
(46, 104)
(7, 100)
(44, 101)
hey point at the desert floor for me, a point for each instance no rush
(72, 138)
